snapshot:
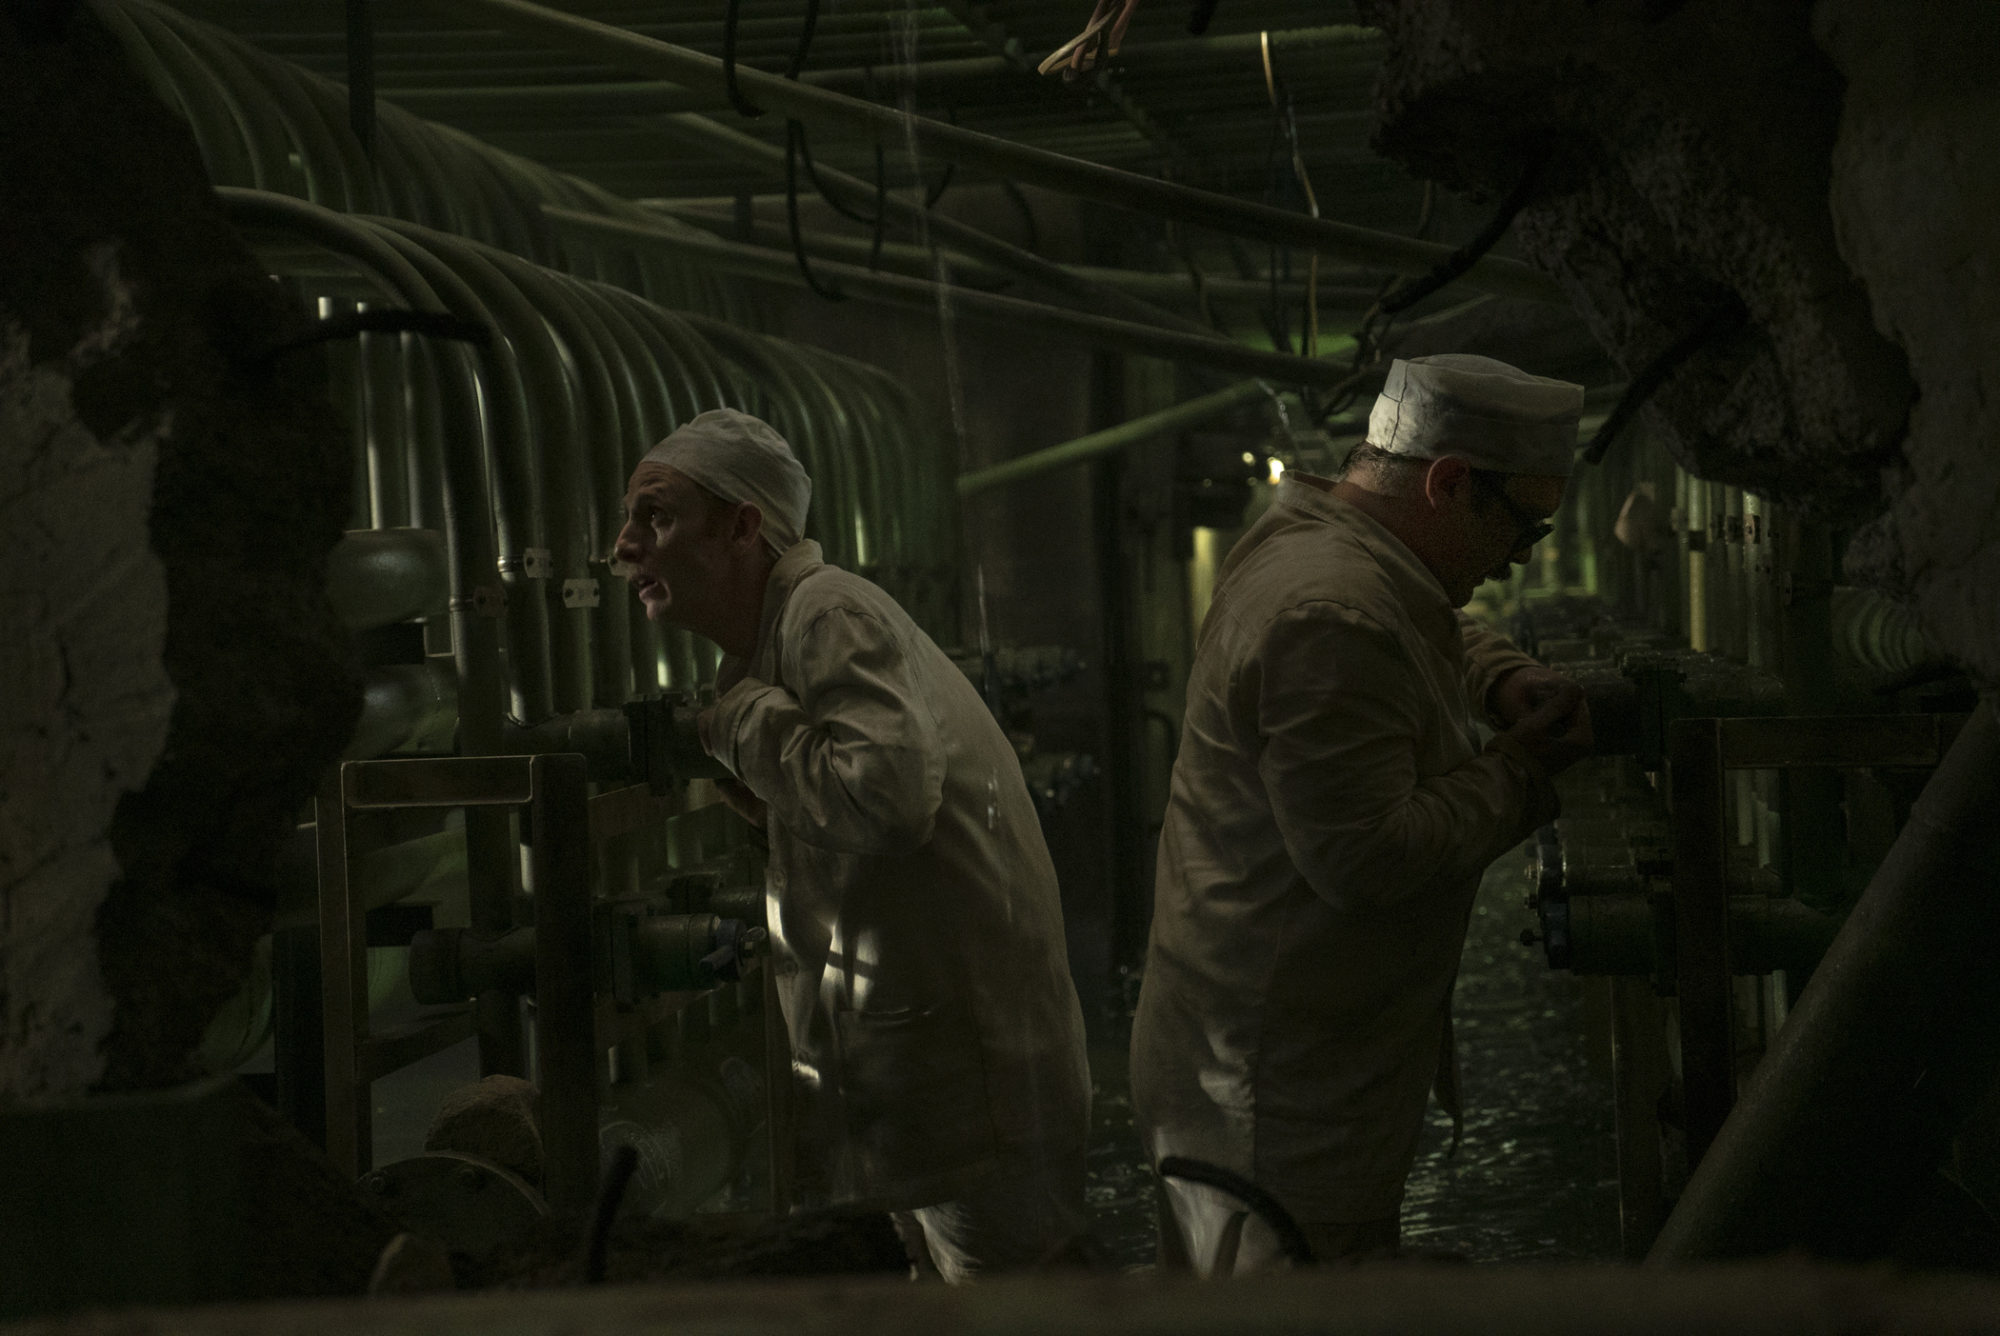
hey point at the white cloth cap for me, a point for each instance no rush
(741, 458)
(1489, 414)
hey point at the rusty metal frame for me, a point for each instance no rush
(1700, 752)
(554, 790)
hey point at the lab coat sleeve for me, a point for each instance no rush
(1339, 708)
(853, 761)
(1489, 656)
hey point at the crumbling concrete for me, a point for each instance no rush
(175, 676)
(1916, 201)
(1685, 154)
(83, 720)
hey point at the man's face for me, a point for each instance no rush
(1507, 514)
(674, 547)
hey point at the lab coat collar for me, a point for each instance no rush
(798, 561)
(1420, 591)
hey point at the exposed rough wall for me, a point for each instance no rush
(171, 431)
(83, 715)
(1916, 200)
(1688, 171)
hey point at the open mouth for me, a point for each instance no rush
(645, 587)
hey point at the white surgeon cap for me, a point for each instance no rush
(740, 458)
(1489, 414)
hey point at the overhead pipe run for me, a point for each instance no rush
(652, 97)
(1139, 283)
(1102, 331)
(1111, 440)
(1021, 162)
(1843, 1124)
(907, 209)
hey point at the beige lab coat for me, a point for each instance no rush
(1330, 816)
(915, 922)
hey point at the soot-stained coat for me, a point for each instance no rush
(1331, 813)
(915, 920)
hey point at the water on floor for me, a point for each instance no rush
(1535, 1178)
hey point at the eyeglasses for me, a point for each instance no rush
(1532, 528)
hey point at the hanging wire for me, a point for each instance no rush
(795, 148)
(936, 192)
(798, 149)
(730, 17)
(1726, 319)
(1272, 86)
(1201, 16)
(1395, 300)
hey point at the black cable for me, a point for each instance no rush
(617, 1178)
(795, 146)
(1201, 16)
(361, 74)
(743, 105)
(1012, 190)
(1266, 1207)
(1725, 319)
(936, 192)
(1394, 301)
(1462, 259)
(846, 211)
(798, 65)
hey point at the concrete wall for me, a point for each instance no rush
(174, 676)
(1830, 183)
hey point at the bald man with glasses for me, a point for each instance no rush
(1356, 751)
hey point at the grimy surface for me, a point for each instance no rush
(1535, 1179)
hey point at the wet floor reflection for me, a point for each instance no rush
(1536, 1176)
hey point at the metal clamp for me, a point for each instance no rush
(538, 563)
(580, 593)
(486, 601)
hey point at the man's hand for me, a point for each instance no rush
(1556, 731)
(1520, 690)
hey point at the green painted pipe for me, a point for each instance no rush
(1022, 162)
(1121, 437)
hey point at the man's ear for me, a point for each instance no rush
(1445, 479)
(748, 530)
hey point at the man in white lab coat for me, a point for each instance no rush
(1333, 807)
(916, 929)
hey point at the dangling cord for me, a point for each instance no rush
(1469, 254)
(1375, 324)
(936, 192)
(795, 149)
(743, 105)
(1291, 124)
(795, 145)
(1724, 320)
(1032, 241)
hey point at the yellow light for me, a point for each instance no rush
(1249, 458)
(1277, 469)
